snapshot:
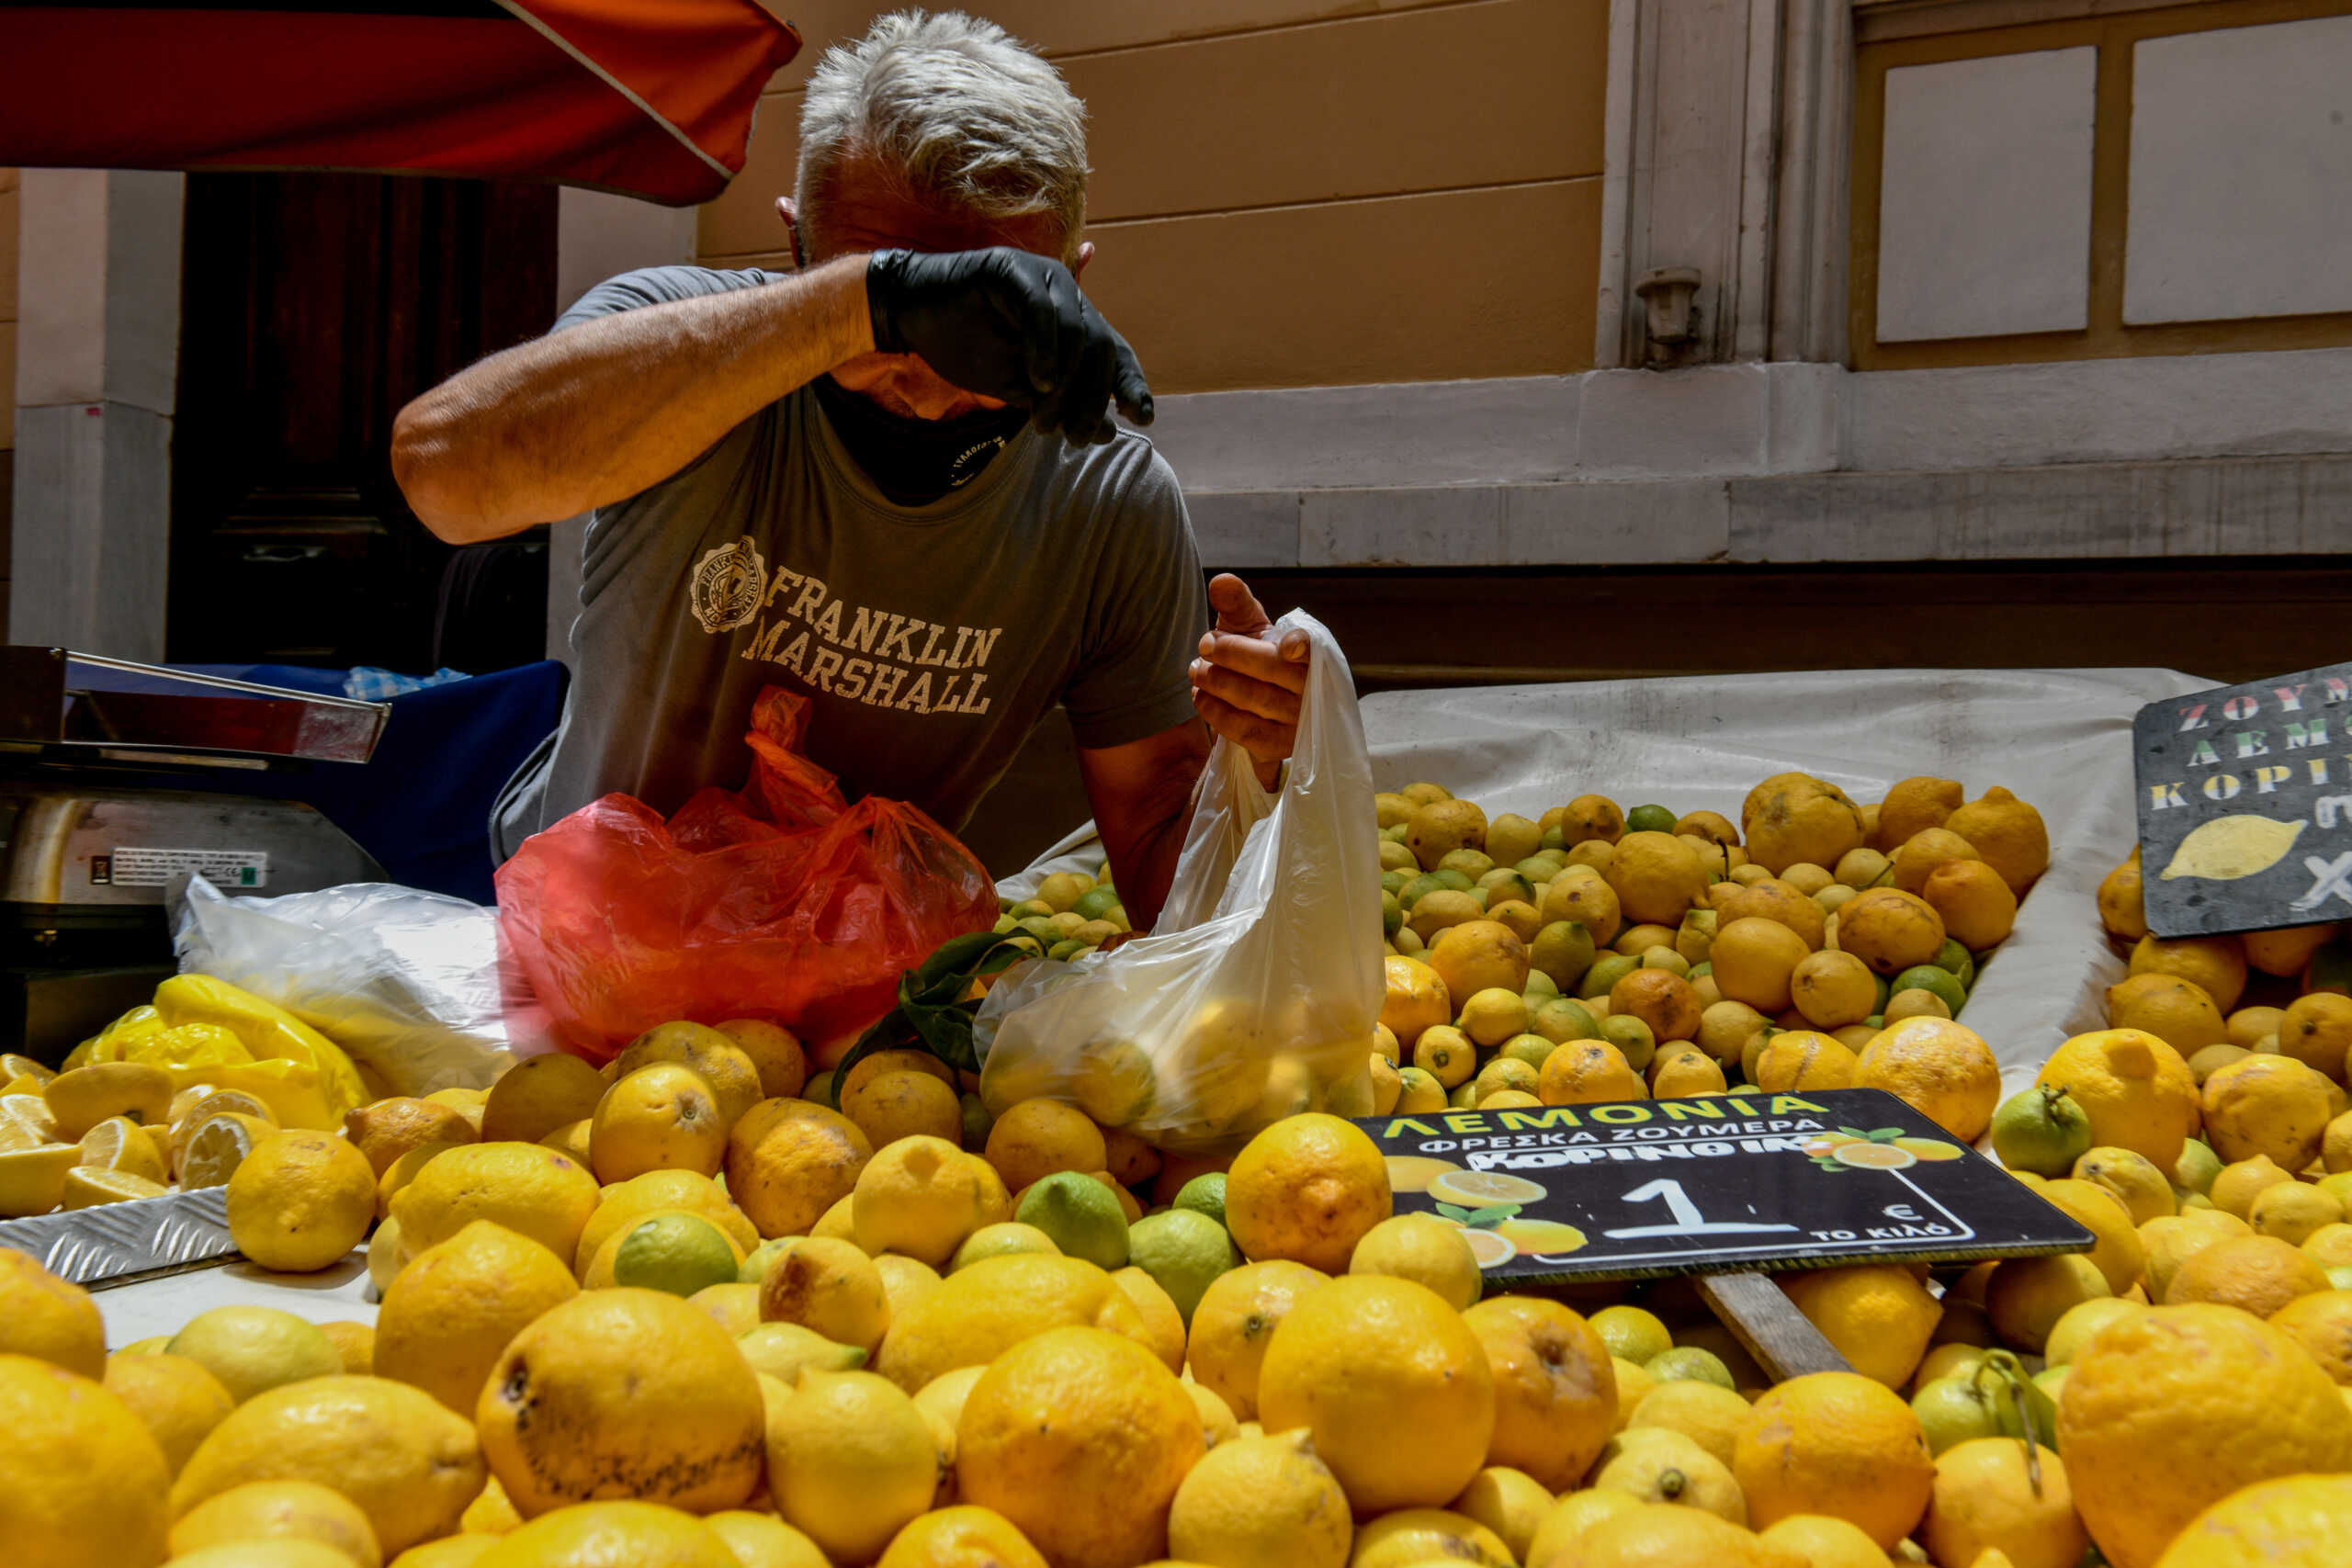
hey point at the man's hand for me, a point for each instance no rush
(1009, 325)
(1246, 685)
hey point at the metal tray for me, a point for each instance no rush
(120, 1244)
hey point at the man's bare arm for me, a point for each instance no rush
(601, 410)
(1142, 796)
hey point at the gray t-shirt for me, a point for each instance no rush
(931, 638)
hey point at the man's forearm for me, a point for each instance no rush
(599, 411)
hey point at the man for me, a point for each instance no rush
(889, 481)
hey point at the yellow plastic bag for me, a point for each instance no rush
(205, 1031)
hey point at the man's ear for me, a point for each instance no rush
(791, 227)
(1085, 254)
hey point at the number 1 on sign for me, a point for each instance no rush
(1688, 1221)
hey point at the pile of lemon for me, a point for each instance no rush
(900, 1373)
(1070, 915)
(1598, 953)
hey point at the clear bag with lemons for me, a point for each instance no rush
(1255, 995)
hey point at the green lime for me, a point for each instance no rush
(1000, 1240)
(1065, 950)
(976, 1121)
(785, 1350)
(2197, 1167)
(818, 1090)
(1205, 1195)
(1392, 914)
(1393, 882)
(1094, 904)
(679, 1253)
(1651, 819)
(1563, 951)
(1632, 1039)
(1080, 1215)
(754, 1267)
(1029, 908)
(1538, 868)
(1955, 958)
(1941, 984)
(1184, 1250)
(1454, 878)
(2042, 1130)
(1665, 958)
(1631, 1334)
(1472, 863)
(1395, 832)
(1538, 991)
(1531, 1049)
(1465, 1097)
(1501, 886)
(1952, 1411)
(1413, 892)
(1003, 925)
(1605, 973)
(1688, 1363)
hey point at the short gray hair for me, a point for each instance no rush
(964, 113)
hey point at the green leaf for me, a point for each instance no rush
(1460, 1216)
(931, 1014)
(1484, 1219)
(1854, 1131)
(1885, 1135)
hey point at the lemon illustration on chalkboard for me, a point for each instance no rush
(2228, 848)
(1482, 1189)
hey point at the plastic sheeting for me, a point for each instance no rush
(2058, 739)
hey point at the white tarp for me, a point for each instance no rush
(2058, 738)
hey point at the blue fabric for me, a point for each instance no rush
(421, 806)
(369, 684)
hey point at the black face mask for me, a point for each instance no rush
(915, 461)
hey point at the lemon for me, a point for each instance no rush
(829, 1286)
(2273, 1524)
(785, 1350)
(120, 1143)
(626, 1391)
(1631, 1333)
(1634, 1385)
(2143, 1191)
(1078, 1413)
(1572, 1517)
(32, 1180)
(1655, 1465)
(275, 1510)
(300, 1201)
(2240, 1182)
(1234, 1323)
(1836, 1444)
(763, 1540)
(2081, 1324)
(1306, 1189)
(1036, 1138)
(852, 1461)
(889, 1105)
(592, 1535)
(1427, 1536)
(2269, 1105)
(961, 1537)
(44, 1316)
(1006, 1236)
(2027, 1296)
(662, 1116)
(1989, 1499)
(252, 1349)
(1262, 1503)
(527, 1187)
(411, 1465)
(1878, 1315)
(1511, 1503)
(2228, 848)
(174, 1398)
(2322, 1324)
(81, 1484)
(2293, 1213)
(1820, 1541)
(1709, 1414)
(453, 1308)
(922, 1196)
(2143, 1399)
(660, 1190)
(82, 1099)
(1424, 1249)
(450, 1552)
(537, 1095)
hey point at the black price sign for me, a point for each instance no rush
(2245, 805)
(1720, 1183)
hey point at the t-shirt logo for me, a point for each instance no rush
(728, 586)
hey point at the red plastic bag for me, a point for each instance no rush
(781, 901)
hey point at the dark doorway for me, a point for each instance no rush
(313, 306)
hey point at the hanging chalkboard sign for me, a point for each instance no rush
(2245, 805)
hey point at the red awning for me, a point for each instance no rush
(651, 98)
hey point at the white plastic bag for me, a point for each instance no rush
(406, 982)
(1256, 993)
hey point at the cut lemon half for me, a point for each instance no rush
(87, 1185)
(1413, 1173)
(217, 1146)
(25, 1121)
(14, 1066)
(212, 1101)
(32, 1181)
(1483, 1188)
(120, 1143)
(1875, 1156)
(1489, 1249)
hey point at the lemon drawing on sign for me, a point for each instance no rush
(1483, 1188)
(1546, 1238)
(2229, 848)
(1413, 1173)
(1490, 1250)
(1874, 1156)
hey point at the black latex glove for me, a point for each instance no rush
(1009, 325)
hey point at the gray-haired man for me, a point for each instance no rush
(889, 481)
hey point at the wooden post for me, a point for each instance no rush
(1769, 1326)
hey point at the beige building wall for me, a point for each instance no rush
(1293, 192)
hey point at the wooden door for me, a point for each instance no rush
(313, 306)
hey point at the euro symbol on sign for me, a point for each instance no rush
(1900, 1211)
